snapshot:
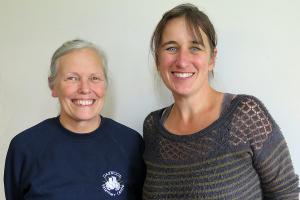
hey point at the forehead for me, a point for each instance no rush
(185, 27)
(80, 60)
(84, 54)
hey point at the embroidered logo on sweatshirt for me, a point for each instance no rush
(113, 183)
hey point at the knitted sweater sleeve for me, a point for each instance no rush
(271, 157)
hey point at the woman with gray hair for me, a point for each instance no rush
(78, 154)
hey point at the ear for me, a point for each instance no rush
(53, 92)
(52, 88)
(212, 61)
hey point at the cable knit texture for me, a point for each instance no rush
(242, 155)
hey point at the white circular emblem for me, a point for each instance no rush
(112, 183)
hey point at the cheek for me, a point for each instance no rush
(166, 60)
(66, 90)
(100, 90)
(202, 62)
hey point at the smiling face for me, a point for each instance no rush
(183, 61)
(80, 87)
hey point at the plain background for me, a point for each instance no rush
(258, 48)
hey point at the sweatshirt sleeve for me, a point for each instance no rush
(140, 171)
(13, 172)
(271, 157)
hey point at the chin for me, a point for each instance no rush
(183, 92)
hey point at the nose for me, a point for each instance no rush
(183, 58)
(84, 87)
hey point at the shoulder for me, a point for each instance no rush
(153, 117)
(251, 122)
(251, 106)
(120, 130)
(34, 135)
(248, 98)
(128, 141)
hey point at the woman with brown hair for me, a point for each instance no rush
(208, 144)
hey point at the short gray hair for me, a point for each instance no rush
(68, 47)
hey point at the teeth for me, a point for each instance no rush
(83, 102)
(183, 75)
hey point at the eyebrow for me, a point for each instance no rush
(76, 74)
(72, 73)
(174, 42)
(196, 42)
(168, 43)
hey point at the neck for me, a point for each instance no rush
(187, 107)
(80, 127)
(194, 113)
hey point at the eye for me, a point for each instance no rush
(72, 78)
(195, 49)
(95, 78)
(171, 49)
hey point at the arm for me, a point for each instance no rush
(12, 173)
(274, 166)
(140, 170)
(271, 157)
(253, 125)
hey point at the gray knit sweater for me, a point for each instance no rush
(242, 155)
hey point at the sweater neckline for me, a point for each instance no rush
(202, 133)
(82, 136)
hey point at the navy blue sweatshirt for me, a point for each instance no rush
(48, 162)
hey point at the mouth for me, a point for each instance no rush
(183, 74)
(83, 102)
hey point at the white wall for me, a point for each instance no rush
(259, 50)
